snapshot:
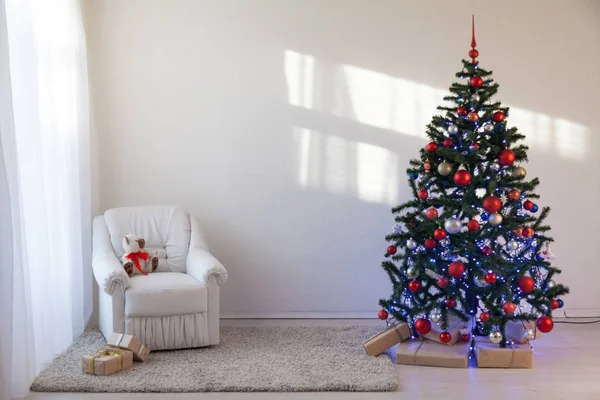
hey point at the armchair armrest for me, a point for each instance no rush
(201, 265)
(108, 271)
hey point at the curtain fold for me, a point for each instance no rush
(45, 265)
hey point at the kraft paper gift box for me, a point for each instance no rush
(379, 343)
(434, 354)
(454, 326)
(107, 361)
(124, 341)
(490, 355)
(142, 354)
(514, 330)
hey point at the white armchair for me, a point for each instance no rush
(173, 308)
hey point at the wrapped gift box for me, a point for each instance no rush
(434, 354)
(379, 343)
(142, 354)
(514, 330)
(107, 361)
(123, 341)
(454, 326)
(490, 355)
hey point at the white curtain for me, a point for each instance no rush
(45, 268)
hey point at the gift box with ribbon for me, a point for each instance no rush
(455, 325)
(490, 355)
(515, 331)
(107, 361)
(434, 354)
(379, 343)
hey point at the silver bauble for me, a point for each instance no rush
(435, 316)
(512, 244)
(452, 225)
(551, 284)
(479, 280)
(529, 334)
(445, 168)
(453, 129)
(412, 272)
(489, 127)
(411, 244)
(519, 172)
(495, 219)
(495, 337)
(475, 98)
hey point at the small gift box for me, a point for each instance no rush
(515, 330)
(490, 355)
(433, 354)
(455, 325)
(379, 343)
(142, 354)
(107, 361)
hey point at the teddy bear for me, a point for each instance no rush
(136, 259)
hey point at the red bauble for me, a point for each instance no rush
(382, 314)
(431, 147)
(456, 269)
(526, 284)
(475, 146)
(413, 286)
(422, 326)
(476, 81)
(448, 143)
(439, 234)
(486, 251)
(443, 282)
(391, 250)
(545, 324)
(518, 231)
(473, 116)
(554, 304)
(473, 225)
(506, 157)
(473, 53)
(491, 278)
(446, 337)
(431, 213)
(528, 205)
(465, 337)
(528, 232)
(462, 111)
(430, 244)
(498, 116)
(491, 204)
(450, 302)
(423, 194)
(462, 177)
(509, 307)
(484, 316)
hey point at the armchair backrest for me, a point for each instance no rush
(167, 230)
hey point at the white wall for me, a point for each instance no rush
(287, 126)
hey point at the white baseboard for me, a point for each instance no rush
(580, 314)
(301, 315)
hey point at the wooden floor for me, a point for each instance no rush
(566, 366)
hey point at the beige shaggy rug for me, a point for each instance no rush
(249, 359)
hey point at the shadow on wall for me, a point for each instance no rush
(372, 172)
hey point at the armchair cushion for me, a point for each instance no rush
(164, 294)
(165, 228)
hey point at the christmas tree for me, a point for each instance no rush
(472, 241)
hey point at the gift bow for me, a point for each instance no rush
(136, 259)
(105, 352)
